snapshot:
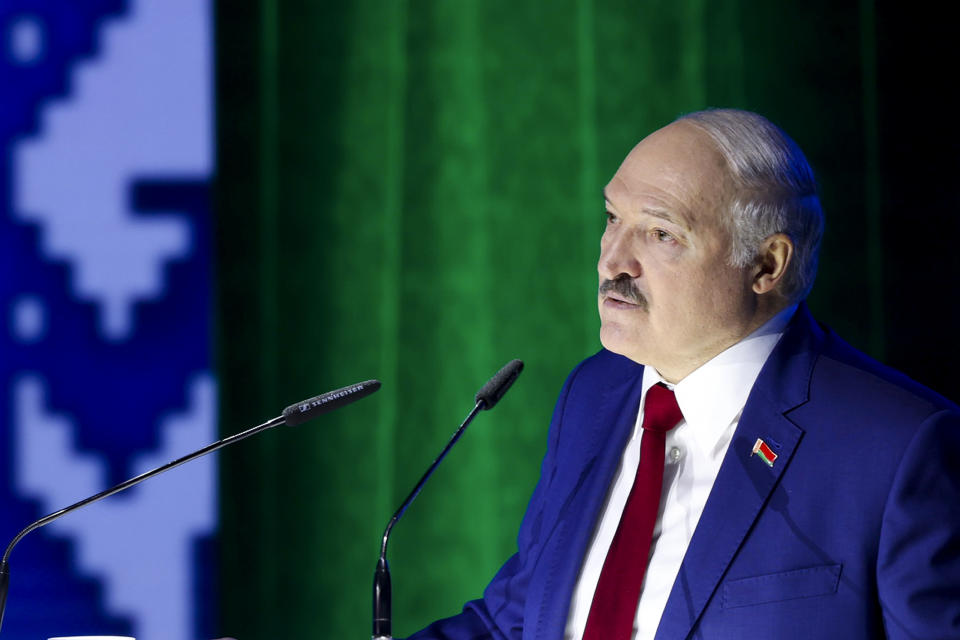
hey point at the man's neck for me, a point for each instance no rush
(773, 320)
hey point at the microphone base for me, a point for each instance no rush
(382, 637)
(4, 586)
(382, 598)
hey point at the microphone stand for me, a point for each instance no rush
(486, 398)
(292, 415)
(126, 484)
(382, 594)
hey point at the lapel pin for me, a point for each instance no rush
(766, 454)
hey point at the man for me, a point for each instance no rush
(725, 467)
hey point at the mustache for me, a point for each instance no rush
(624, 286)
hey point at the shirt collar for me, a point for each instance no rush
(713, 395)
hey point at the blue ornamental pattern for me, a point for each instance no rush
(106, 133)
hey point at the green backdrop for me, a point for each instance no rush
(410, 191)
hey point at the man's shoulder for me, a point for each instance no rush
(604, 369)
(843, 371)
(841, 382)
(591, 380)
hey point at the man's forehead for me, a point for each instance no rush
(651, 207)
(677, 170)
(619, 199)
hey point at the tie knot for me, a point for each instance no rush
(660, 409)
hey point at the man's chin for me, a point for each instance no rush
(613, 339)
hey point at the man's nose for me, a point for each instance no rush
(617, 256)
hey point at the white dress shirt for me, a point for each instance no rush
(711, 399)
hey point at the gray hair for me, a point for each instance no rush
(776, 192)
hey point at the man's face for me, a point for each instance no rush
(668, 297)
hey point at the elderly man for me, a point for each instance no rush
(727, 468)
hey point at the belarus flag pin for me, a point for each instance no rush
(766, 454)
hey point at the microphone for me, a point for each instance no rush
(293, 415)
(331, 400)
(496, 386)
(486, 398)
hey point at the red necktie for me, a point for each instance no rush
(618, 591)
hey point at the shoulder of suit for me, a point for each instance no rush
(604, 369)
(850, 378)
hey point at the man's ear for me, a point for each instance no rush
(776, 252)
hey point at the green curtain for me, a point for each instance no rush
(410, 191)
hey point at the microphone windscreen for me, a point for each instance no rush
(491, 392)
(308, 409)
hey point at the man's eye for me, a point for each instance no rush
(662, 235)
(610, 217)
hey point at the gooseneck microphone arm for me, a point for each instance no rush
(382, 593)
(126, 484)
(486, 398)
(293, 415)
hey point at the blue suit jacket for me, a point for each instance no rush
(854, 532)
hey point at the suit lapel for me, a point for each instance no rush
(582, 501)
(739, 493)
(745, 481)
